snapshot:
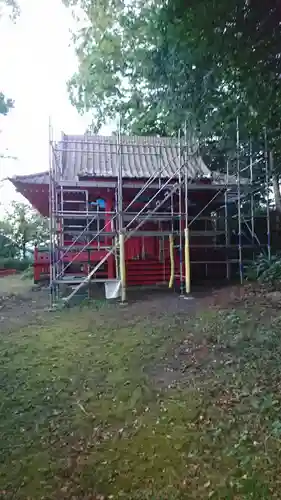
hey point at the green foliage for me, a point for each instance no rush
(24, 227)
(7, 247)
(28, 273)
(12, 263)
(158, 64)
(272, 275)
(259, 266)
(265, 270)
(5, 104)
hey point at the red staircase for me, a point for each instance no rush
(146, 272)
(138, 272)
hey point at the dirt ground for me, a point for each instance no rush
(23, 303)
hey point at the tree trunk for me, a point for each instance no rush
(24, 249)
(275, 184)
(276, 192)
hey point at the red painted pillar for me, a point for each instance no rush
(36, 270)
(109, 239)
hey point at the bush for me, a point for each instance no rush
(28, 273)
(272, 275)
(18, 264)
(265, 270)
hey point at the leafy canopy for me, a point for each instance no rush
(22, 226)
(159, 63)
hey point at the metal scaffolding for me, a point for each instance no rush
(172, 196)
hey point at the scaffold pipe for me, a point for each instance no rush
(187, 260)
(172, 261)
(122, 266)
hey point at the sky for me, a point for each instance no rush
(37, 60)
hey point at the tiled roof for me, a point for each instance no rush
(97, 156)
(94, 155)
(40, 178)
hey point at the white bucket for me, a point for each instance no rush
(112, 289)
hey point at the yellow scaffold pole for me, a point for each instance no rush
(122, 266)
(187, 260)
(172, 260)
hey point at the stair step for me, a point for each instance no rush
(83, 248)
(76, 280)
(145, 274)
(144, 264)
(140, 268)
(145, 269)
(144, 278)
(148, 282)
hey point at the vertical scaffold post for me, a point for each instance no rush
(58, 222)
(252, 208)
(266, 158)
(186, 229)
(239, 200)
(172, 261)
(160, 240)
(226, 228)
(180, 215)
(171, 246)
(51, 217)
(59, 207)
(88, 239)
(115, 240)
(122, 266)
(122, 261)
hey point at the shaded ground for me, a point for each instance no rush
(160, 399)
(21, 303)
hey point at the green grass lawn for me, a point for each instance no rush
(84, 414)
